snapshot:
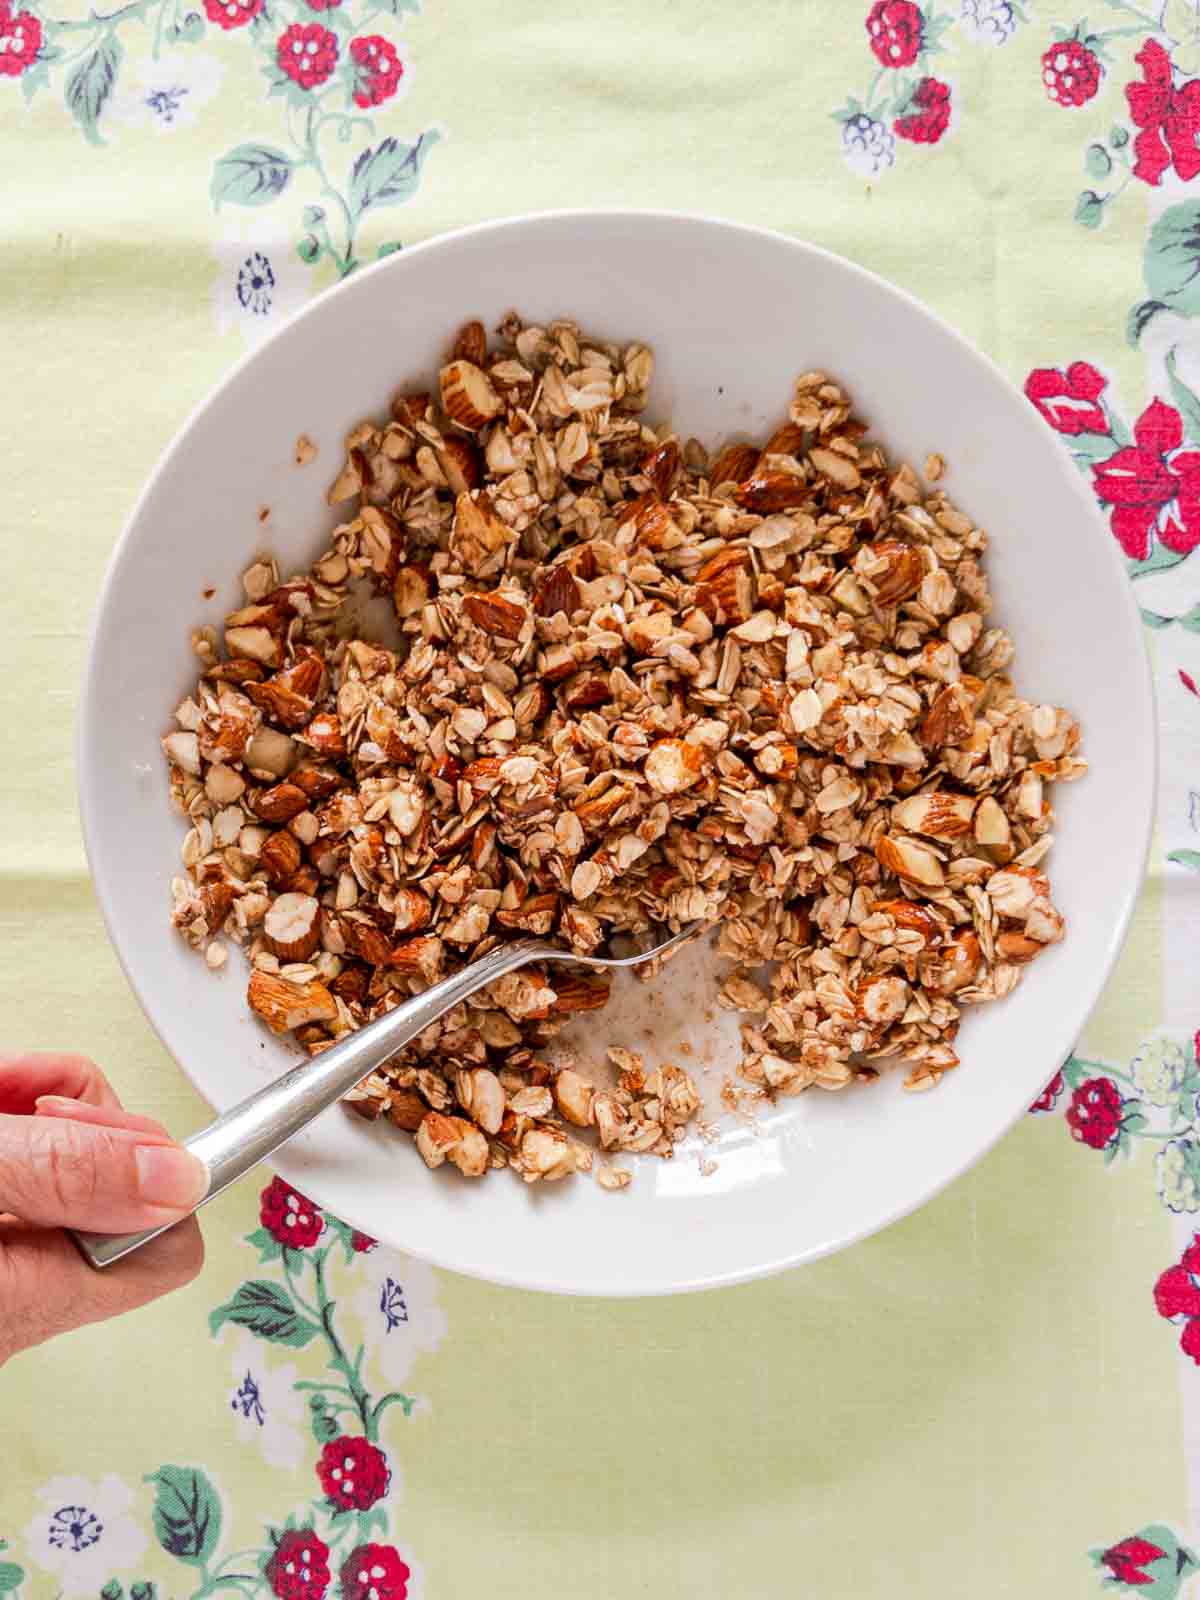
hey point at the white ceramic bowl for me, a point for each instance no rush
(734, 314)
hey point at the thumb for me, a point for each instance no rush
(61, 1173)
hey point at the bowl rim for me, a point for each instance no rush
(1146, 775)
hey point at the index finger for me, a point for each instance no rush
(24, 1077)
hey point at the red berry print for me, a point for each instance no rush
(1070, 400)
(1048, 1098)
(1168, 117)
(20, 41)
(299, 1568)
(322, 5)
(1094, 1115)
(288, 1217)
(353, 1473)
(377, 69)
(374, 1572)
(1127, 1561)
(927, 115)
(1071, 72)
(894, 30)
(307, 53)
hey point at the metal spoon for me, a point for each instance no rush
(251, 1131)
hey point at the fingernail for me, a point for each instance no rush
(170, 1176)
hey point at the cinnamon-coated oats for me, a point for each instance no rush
(635, 685)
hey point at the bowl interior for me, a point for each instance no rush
(734, 315)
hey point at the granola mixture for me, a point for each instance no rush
(634, 685)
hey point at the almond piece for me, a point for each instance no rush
(184, 750)
(950, 719)
(258, 643)
(773, 491)
(734, 464)
(422, 955)
(481, 1097)
(477, 531)
(673, 766)
(882, 998)
(280, 803)
(365, 940)
(910, 860)
(411, 588)
(954, 966)
(412, 911)
(279, 857)
(437, 1136)
(1018, 948)
(406, 1109)
(270, 753)
(557, 591)
(787, 440)
(470, 344)
(324, 734)
(573, 1097)
(580, 994)
(467, 395)
(937, 813)
(292, 927)
(661, 466)
(284, 1005)
(460, 464)
(914, 918)
(991, 825)
(495, 615)
(901, 576)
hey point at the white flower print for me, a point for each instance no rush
(266, 1408)
(166, 94)
(399, 1310)
(84, 1532)
(260, 280)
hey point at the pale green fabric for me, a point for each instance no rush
(965, 1405)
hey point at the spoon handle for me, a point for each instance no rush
(249, 1132)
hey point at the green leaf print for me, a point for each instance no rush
(1171, 263)
(265, 1242)
(1186, 858)
(90, 85)
(11, 1576)
(187, 1514)
(250, 175)
(389, 174)
(267, 1310)
(114, 1589)
(1097, 163)
(1140, 318)
(1089, 209)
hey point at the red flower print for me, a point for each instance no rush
(894, 29)
(299, 1568)
(1144, 477)
(927, 114)
(288, 1217)
(361, 1243)
(322, 5)
(1094, 1114)
(1168, 117)
(378, 69)
(1048, 1098)
(1126, 1560)
(1189, 683)
(1071, 72)
(374, 1572)
(232, 13)
(1068, 400)
(20, 41)
(307, 53)
(353, 1473)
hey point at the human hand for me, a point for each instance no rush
(71, 1156)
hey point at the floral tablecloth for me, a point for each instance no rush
(999, 1396)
